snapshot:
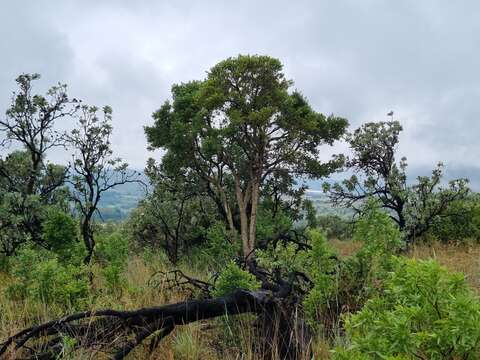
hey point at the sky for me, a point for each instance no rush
(358, 59)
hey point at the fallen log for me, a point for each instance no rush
(125, 330)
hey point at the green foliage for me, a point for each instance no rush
(239, 127)
(347, 284)
(220, 248)
(59, 231)
(112, 253)
(414, 207)
(271, 224)
(428, 201)
(336, 227)
(423, 312)
(42, 277)
(323, 266)
(233, 278)
(377, 231)
(462, 222)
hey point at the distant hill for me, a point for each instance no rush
(323, 205)
(117, 203)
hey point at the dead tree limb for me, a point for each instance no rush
(123, 331)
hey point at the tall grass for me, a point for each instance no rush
(221, 338)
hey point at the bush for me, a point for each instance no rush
(345, 285)
(424, 312)
(112, 253)
(462, 222)
(43, 278)
(59, 232)
(335, 226)
(219, 249)
(322, 269)
(234, 278)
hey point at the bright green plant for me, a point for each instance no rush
(220, 248)
(112, 253)
(43, 278)
(342, 285)
(233, 278)
(424, 312)
(59, 231)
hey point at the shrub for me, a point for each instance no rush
(219, 249)
(59, 231)
(233, 278)
(335, 227)
(424, 312)
(345, 285)
(112, 253)
(462, 222)
(322, 269)
(43, 278)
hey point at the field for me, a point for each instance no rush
(206, 340)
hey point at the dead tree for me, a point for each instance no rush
(281, 334)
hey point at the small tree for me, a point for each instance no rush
(95, 171)
(378, 174)
(30, 122)
(177, 212)
(28, 182)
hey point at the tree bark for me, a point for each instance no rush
(253, 215)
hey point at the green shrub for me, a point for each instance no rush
(59, 232)
(424, 312)
(461, 222)
(219, 249)
(43, 278)
(335, 227)
(345, 285)
(233, 278)
(111, 253)
(322, 269)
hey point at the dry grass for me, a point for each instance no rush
(206, 340)
(458, 258)
(463, 258)
(213, 339)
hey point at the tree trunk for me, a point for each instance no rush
(88, 239)
(253, 215)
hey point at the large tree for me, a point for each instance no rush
(378, 174)
(242, 125)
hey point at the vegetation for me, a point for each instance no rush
(226, 255)
(413, 207)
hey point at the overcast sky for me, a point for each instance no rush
(358, 59)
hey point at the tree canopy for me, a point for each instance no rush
(241, 126)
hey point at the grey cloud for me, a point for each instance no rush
(357, 59)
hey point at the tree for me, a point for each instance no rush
(28, 182)
(241, 125)
(30, 122)
(378, 174)
(95, 171)
(174, 216)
